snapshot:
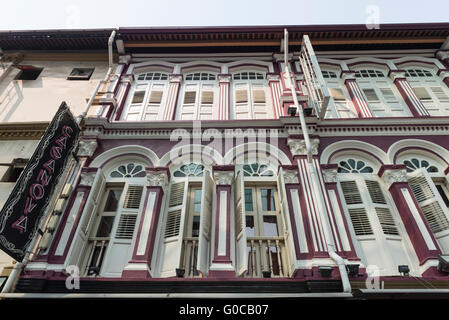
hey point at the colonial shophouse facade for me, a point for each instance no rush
(195, 173)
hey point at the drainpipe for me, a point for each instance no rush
(106, 78)
(330, 247)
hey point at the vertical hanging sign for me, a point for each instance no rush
(23, 211)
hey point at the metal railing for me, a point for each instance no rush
(266, 257)
(96, 248)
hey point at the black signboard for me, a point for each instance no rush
(22, 212)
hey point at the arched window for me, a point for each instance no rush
(257, 170)
(185, 243)
(251, 96)
(377, 227)
(341, 105)
(109, 224)
(147, 98)
(430, 188)
(381, 94)
(429, 89)
(199, 98)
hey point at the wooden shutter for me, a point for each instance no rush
(174, 228)
(207, 97)
(204, 241)
(356, 208)
(240, 225)
(241, 96)
(432, 205)
(136, 105)
(156, 96)
(422, 93)
(92, 203)
(371, 95)
(259, 96)
(388, 94)
(120, 245)
(440, 94)
(337, 94)
(189, 97)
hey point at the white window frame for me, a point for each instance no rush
(250, 85)
(338, 108)
(147, 86)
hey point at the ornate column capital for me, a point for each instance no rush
(176, 78)
(87, 178)
(290, 176)
(442, 54)
(86, 148)
(330, 175)
(443, 73)
(273, 77)
(298, 146)
(347, 75)
(226, 78)
(157, 177)
(396, 74)
(393, 174)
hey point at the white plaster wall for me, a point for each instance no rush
(38, 100)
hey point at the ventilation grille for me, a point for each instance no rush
(435, 217)
(351, 192)
(173, 223)
(207, 97)
(189, 97)
(156, 96)
(375, 192)
(126, 226)
(241, 96)
(176, 194)
(259, 96)
(360, 222)
(133, 196)
(420, 188)
(386, 221)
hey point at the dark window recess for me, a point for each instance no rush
(28, 73)
(443, 195)
(80, 74)
(14, 170)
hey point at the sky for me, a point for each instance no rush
(87, 14)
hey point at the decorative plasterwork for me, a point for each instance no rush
(26, 131)
(223, 177)
(391, 176)
(224, 78)
(348, 75)
(175, 77)
(443, 74)
(298, 146)
(127, 78)
(157, 178)
(442, 55)
(330, 175)
(87, 178)
(291, 176)
(87, 148)
(395, 74)
(273, 77)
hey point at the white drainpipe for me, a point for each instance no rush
(330, 247)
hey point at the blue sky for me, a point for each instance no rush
(71, 14)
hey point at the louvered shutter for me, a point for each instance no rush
(204, 240)
(240, 225)
(119, 248)
(371, 95)
(283, 204)
(432, 205)
(337, 94)
(440, 94)
(207, 106)
(92, 203)
(422, 94)
(241, 96)
(356, 208)
(260, 106)
(136, 105)
(174, 228)
(189, 102)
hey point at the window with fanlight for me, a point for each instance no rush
(341, 105)
(147, 98)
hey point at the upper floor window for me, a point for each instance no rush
(190, 170)
(257, 170)
(199, 97)
(381, 94)
(147, 98)
(251, 96)
(329, 74)
(340, 105)
(430, 90)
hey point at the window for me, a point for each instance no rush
(414, 164)
(340, 104)
(129, 170)
(376, 225)
(381, 94)
(148, 96)
(190, 170)
(430, 90)
(257, 170)
(28, 73)
(80, 74)
(14, 170)
(200, 97)
(251, 96)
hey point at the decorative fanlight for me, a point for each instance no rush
(130, 170)
(353, 166)
(257, 170)
(190, 170)
(413, 164)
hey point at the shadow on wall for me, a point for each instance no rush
(10, 99)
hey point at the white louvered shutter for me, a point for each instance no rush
(240, 225)
(153, 109)
(91, 208)
(242, 106)
(260, 105)
(204, 240)
(208, 103)
(134, 112)
(356, 208)
(174, 228)
(120, 245)
(189, 102)
(432, 205)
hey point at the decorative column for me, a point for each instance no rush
(224, 81)
(347, 246)
(443, 56)
(358, 99)
(172, 99)
(221, 263)
(274, 82)
(415, 105)
(422, 239)
(141, 262)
